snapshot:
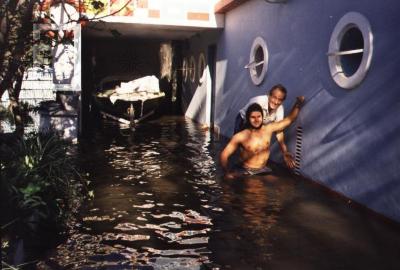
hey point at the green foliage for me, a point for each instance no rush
(40, 189)
(38, 179)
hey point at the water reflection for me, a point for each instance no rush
(160, 203)
(152, 200)
(252, 209)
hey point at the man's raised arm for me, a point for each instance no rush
(285, 122)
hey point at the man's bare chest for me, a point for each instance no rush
(256, 144)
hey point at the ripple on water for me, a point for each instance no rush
(154, 204)
(99, 218)
(190, 216)
(145, 206)
(124, 237)
(126, 227)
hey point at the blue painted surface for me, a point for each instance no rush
(351, 140)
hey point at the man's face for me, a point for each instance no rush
(275, 99)
(256, 119)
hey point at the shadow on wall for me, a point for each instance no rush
(61, 116)
(228, 103)
(63, 125)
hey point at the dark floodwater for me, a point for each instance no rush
(159, 203)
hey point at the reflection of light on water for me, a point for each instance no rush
(126, 227)
(190, 216)
(83, 250)
(144, 194)
(145, 206)
(124, 237)
(216, 209)
(177, 263)
(152, 210)
(96, 218)
(179, 236)
(192, 241)
(171, 225)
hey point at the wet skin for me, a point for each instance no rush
(254, 141)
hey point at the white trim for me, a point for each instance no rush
(257, 79)
(348, 21)
(208, 95)
(192, 69)
(201, 68)
(185, 69)
(215, 21)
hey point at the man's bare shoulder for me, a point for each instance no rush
(267, 128)
(242, 135)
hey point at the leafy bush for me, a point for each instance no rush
(39, 186)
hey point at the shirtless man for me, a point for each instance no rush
(254, 141)
(273, 111)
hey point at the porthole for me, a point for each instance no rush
(350, 50)
(201, 67)
(185, 69)
(352, 40)
(192, 69)
(258, 63)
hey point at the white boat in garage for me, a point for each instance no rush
(131, 101)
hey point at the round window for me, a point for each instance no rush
(185, 69)
(350, 50)
(258, 64)
(192, 69)
(201, 68)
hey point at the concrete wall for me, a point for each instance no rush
(350, 137)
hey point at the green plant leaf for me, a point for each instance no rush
(31, 189)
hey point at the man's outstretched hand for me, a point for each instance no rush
(289, 160)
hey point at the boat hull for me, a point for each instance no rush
(123, 108)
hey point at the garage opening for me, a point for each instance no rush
(112, 67)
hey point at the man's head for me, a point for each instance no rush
(254, 116)
(276, 96)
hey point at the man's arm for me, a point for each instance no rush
(287, 156)
(281, 125)
(229, 149)
(280, 137)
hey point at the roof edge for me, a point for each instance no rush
(224, 6)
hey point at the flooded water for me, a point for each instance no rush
(160, 203)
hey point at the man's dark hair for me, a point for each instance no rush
(279, 87)
(254, 107)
